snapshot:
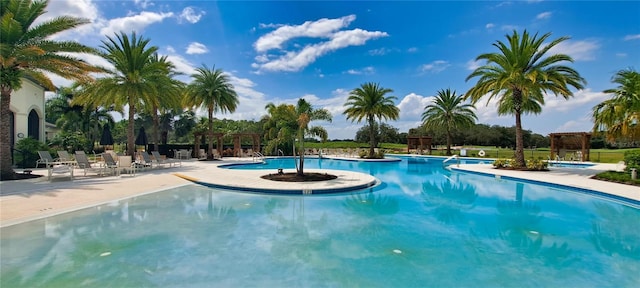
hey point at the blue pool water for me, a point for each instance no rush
(423, 227)
(570, 165)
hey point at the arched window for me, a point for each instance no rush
(33, 128)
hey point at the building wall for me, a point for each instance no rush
(23, 101)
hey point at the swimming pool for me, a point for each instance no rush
(570, 164)
(424, 226)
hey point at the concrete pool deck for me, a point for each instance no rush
(26, 200)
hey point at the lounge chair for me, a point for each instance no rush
(64, 156)
(126, 164)
(145, 161)
(216, 154)
(46, 159)
(84, 164)
(163, 160)
(110, 163)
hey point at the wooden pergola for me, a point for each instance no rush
(419, 142)
(196, 145)
(237, 148)
(577, 141)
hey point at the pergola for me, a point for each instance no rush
(237, 148)
(196, 145)
(419, 142)
(578, 141)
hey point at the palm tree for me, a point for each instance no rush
(27, 50)
(448, 112)
(519, 75)
(211, 89)
(169, 96)
(129, 82)
(369, 101)
(305, 114)
(619, 116)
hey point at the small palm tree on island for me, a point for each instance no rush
(369, 102)
(28, 51)
(519, 76)
(448, 112)
(211, 90)
(618, 116)
(287, 122)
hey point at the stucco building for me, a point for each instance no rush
(27, 112)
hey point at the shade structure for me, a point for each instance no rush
(141, 139)
(106, 138)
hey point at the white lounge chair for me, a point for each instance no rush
(163, 160)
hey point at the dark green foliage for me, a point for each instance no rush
(621, 177)
(26, 153)
(632, 160)
(72, 141)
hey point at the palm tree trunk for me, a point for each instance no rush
(448, 142)
(6, 171)
(156, 128)
(372, 139)
(210, 136)
(519, 142)
(301, 152)
(131, 138)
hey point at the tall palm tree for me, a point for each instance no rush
(519, 75)
(369, 102)
(619, 115)
(128, 84)
(449, 112)
(169, 93)
(27, 50)
(211, 89)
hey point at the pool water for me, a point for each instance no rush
(424, 226)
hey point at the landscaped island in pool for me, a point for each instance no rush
(422, 226)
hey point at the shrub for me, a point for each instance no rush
(28, 154)
(537, 165)
(363, 153)
(501, 163)
(632, 160)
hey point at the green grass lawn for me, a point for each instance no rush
(596, 155)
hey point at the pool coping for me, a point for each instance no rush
(579, 181)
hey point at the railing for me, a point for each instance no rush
(257, 156)
(22, 153)
(451, 158)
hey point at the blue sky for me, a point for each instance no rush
(277, 51)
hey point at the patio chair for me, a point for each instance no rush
(63, 155)
(46, 159)
(162, 160)
(216, 154)
(83, 163)
(144, 161)
(126, 164)
(110, 164)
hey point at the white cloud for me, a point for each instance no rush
(143, 3)
(78, 8)
(364, 71)
(489, 25)
(621, 55)
(133, 23)
(379, 52)
(412, 105)
(580, 98)
(581, 124)
(509, 28)
(632, 37)
(323, 28)
(191, 15)
(182, 65)
(412, 50)
(435, 66)
(197, 48)
(473, 64)
(544, 15)
(296, 60)
(578, 50)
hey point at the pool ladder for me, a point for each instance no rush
(258, 157)
(451, 158)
